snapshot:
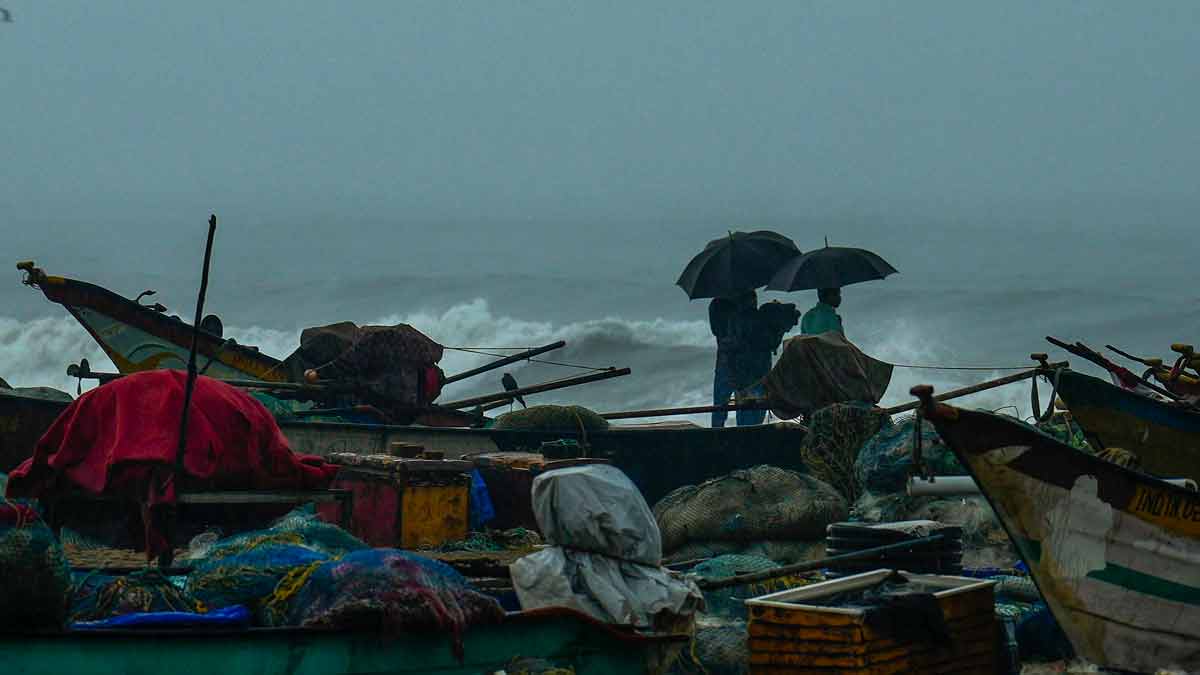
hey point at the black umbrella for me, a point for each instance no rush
(830, 267)
(738, 262)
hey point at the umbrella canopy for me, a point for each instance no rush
(830, 267)
(735, 263)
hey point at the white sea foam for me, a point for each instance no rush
(671, 360)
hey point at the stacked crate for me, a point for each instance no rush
(791, 632)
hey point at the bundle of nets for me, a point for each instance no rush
(761, 503)
(985, 543)
(98, 596)
(391, 591)
(835, 435)
(315, 533)
(246, 569)
(781, 551)
(552, 418)
(251, 577)
(886, 459)
(1064, 428)
(516, 539)
(35, 580)
(727, 602)
(719, 647)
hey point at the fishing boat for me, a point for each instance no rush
(1114, 551)
(1165, 435)
(562, 637)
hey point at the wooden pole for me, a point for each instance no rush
(982, 386)
(191, 369)
(693, 410)
(537, 388)
(833, 561)
(521, 356)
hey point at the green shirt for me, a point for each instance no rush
(821, 319)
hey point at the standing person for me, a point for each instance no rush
(752, 362)
(823, 317)
(720, 321)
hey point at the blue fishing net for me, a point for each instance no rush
(34, 577)
(885, 461)
(390, 591)
(251, 577)
(96, 597)
(248, 569)
(315, 533)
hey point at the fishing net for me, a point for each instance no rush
(886, 460)
(835, 435)
(35, 580)
(251, 577)
(316, 533)
(1063, 427)
(96, 597)
(248, 568)
(760, 503)
(552, 418)
(392, 592)
(720, 647)
(782, 551)
(517, 538)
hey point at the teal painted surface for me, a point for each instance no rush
(563, 640)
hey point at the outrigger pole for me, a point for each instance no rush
(191, 369)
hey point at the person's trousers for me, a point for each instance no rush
(723, 388)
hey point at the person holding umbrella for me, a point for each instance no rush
(728, 270)
(828, 270)
(823, 318)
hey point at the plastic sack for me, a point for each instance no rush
(605, 551)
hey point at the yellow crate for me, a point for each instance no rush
(432, 516)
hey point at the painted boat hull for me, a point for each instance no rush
(560, 636)
(1113, 551)
(1165, 437)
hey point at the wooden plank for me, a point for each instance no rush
(907, 661)
(833, 640)
(261, 497)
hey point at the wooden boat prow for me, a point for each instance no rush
(1114, 551)
(137, 338)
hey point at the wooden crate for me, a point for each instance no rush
(414, 504)
(789, 635)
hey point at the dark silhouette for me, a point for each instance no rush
(510, 384)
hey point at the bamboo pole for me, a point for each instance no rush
(537, 388)
(521, 356)
(693, 410)
(833, 561)
(982, 386)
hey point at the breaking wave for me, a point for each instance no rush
(671, 360)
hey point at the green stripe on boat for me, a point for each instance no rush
(1147, 584)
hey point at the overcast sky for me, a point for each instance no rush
(575, 134)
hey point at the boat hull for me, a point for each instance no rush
(1165, 437)
(657, 460)
(23, 420)
(562, 637)
(1113, 551)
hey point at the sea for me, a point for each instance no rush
(974, 295)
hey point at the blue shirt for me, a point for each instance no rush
(821, 319)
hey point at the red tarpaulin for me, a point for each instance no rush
(122, 439)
